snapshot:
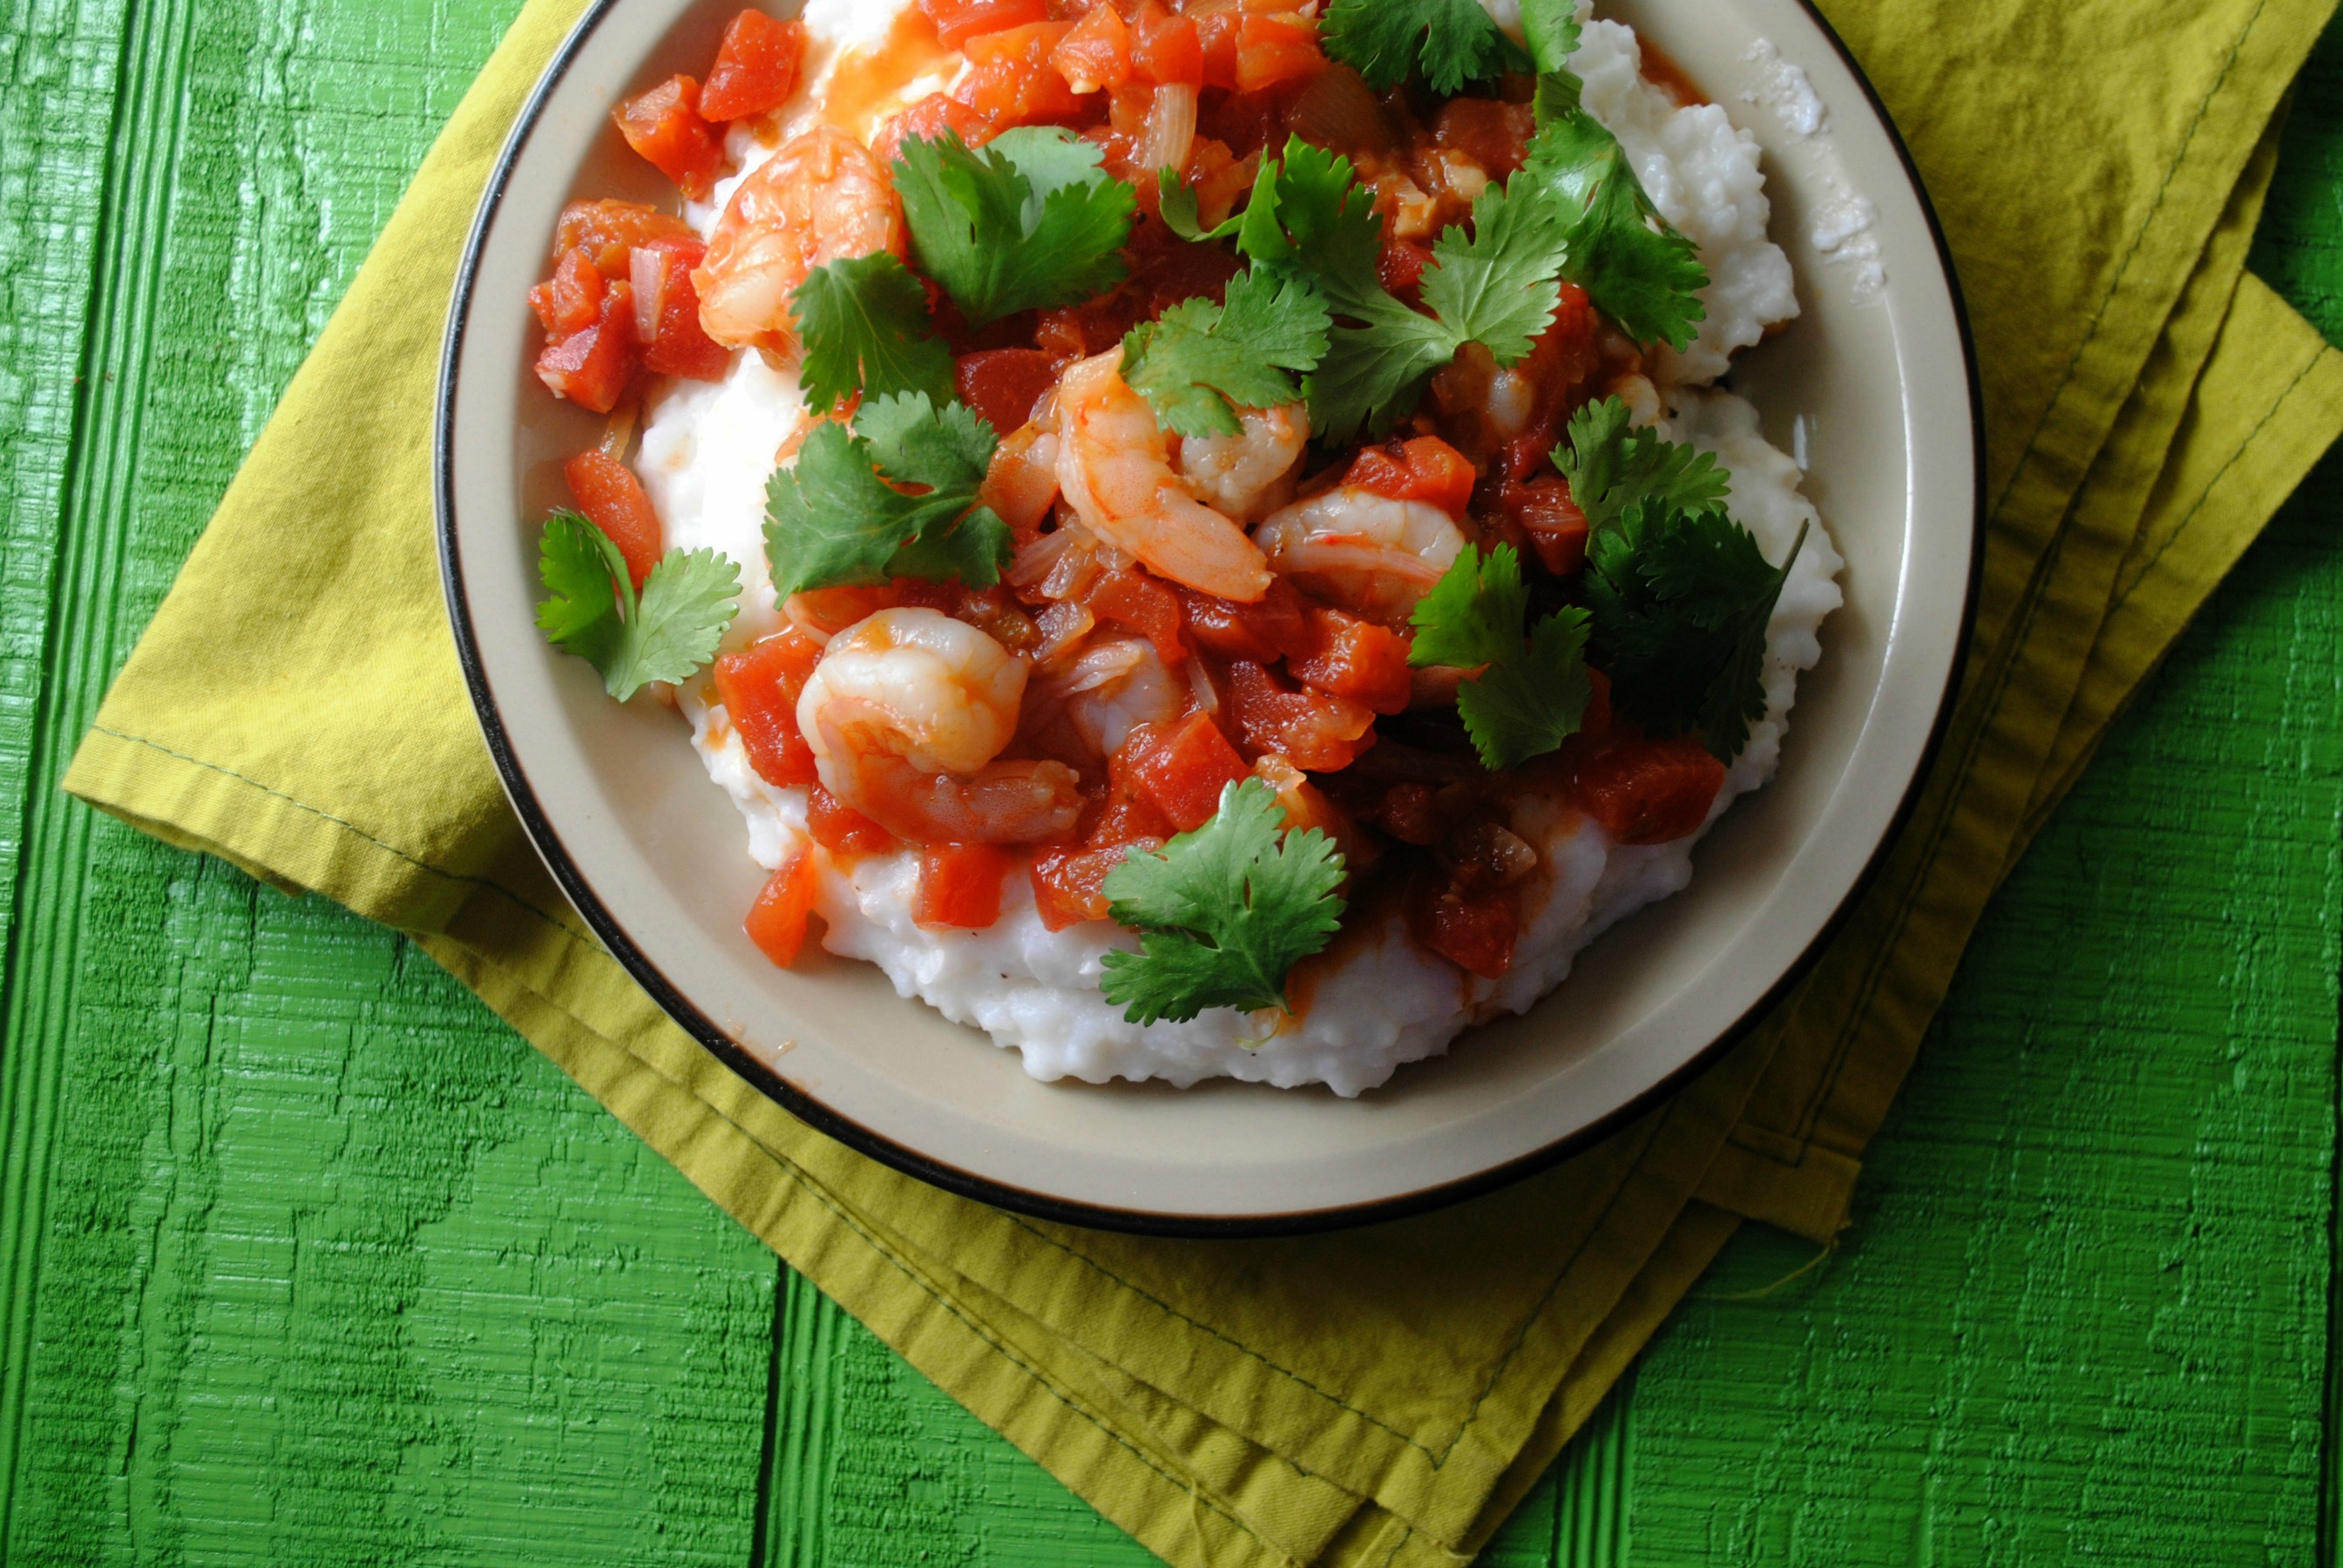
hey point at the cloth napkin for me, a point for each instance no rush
(1383, 1397)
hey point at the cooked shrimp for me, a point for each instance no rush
(820, 198)
(1115, 466)
(1116, 686)
(907, 714)
(1368, 553)
(1250, 475)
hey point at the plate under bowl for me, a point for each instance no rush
(1878, 394)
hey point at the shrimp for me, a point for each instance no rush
(1250, 475)
(819, 198)
(1368, 553)
(907, 715)
(1115, 468)
(1117, 685)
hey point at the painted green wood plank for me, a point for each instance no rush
(333, 1268)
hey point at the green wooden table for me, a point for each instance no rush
(309, 1260)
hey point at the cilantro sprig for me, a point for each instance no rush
(1030, 220)
(592, 607)
(1224, 912)
(864, 325)
(1200, 363)
(1530, 693)
(1680, 594)
(1448, 42)
(1636, 269)
(895, 497)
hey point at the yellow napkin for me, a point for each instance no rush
(1381, 1397)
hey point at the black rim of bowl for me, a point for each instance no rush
(1040, 1205)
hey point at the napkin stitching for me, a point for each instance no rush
(2123, 268)
(298, 804)
(2205, 494)
(1496, 1374)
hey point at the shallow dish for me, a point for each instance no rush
(1874, 389)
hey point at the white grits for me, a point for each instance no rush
(708, 450)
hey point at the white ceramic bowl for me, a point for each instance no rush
(653, 855)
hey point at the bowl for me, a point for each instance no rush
(1876, 389)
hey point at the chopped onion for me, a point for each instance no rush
(1170, 131)
(646, 269)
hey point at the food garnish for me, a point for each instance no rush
(1448, 42)
(1198, 362)
(667, 632)
(1530, 692)
(1030, 219)
(1681, 593)
(864, 323)
(893, 497)
(1225, 912)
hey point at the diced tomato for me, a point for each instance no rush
(571, 299)
(841, 829)
(1011, 84)
(1144, 604)
(1097, 54)
(592, 368)
(1472, 930)
(1421, 468)
(667, 314)
(1412, 813)
(928, 120)
(1494, 134)
(777, 920)
(1067, 883)
(613, 500)
(1356, 658)
(608, 230)
(1645, 791)
(957, 21)
(1265, 632)
(832, 610)
(756, 68)
(760, 688)
(665, 127)
(1546, 516)
(1165, 49)
(1181, 769)
(1400, 267)
(1002, 385)
(1315, 731)
(1276, 48)
(1307, 806)
(1218, 24)
(959, 885)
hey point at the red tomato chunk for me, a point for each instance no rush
(613, 500)
(1264, 632)
(666, 314)
(665, 127)
(1181, 771)
(756, 68)
(1645, 792)
(928, 120)
(777, 920)
(570, 301)
(1316, 731)
(1002, 385)
(1423, 468)
(841, 829)
(1097, 54)
(760, 688)
(957, 21)
(1145, 604)
(1472, 930)
(1011, 84)
(608, 231)
(593, 368)
(959, 885)
(1358, 659)
(1165, 49)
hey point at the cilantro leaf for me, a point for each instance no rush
(1612, 466)
(1680, 601)
(864, 323)
(1223, 912)
(1528, 704)
(1199, 363)
(592, 608)
(1030, 220)
(1551, 28)
(1498, 288)
(1448, 41)
(843, 514)
(1177, 201)
(1474, 614)
(1645, 278)
(1528, 698)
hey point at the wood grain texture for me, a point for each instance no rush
(310, 1260)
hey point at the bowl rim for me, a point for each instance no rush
(547, 841)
